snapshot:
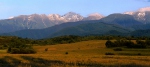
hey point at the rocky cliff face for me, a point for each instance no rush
(94, 16)
(142, 15)
(40, 21)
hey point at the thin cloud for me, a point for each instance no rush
(143, 0)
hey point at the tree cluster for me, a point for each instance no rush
(20, 48)
(128, 43)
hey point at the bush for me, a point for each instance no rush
(139, 46)
(109, 44)
(46, 49)
(20, 48)
(9, 50)
(117, 49)
(66, 53)
(22, 51)
(1, 47)
(15, 51)
(139, 54)
(108, 53)
(126, 43)
(147, 42)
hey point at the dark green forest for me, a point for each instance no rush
(19, 45)
(128, 43)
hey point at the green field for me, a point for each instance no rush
(81, 54)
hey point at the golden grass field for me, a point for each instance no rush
(81, 54)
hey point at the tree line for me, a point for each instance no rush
(24, 45)
(128, 43)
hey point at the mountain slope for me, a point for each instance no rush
(141, 27)
(40, 21)
(142, 15)
(121, 19)
(92, 29)
(141, 33)
(77, 28)
(94, 16)
(42, 33)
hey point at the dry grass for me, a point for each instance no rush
(86, 53)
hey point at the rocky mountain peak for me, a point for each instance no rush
(72, 17)
(144, 9)
(11, 17)
(141, 14)
(54, 16)
(94, 16)
(70, 13)
(141, 11)
(129, 13)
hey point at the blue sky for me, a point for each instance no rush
(9, 8)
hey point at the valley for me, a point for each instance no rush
(85, 53)
(39, 26)
(73, 40)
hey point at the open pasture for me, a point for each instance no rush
(85, 54)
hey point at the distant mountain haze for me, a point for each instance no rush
(142, 15)
(44, 26)
(40, 21)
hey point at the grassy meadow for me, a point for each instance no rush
(80, 54)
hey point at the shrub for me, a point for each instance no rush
(9, 50)
(22, 51)
(20, 48)
(126, 43)
(117, 49)
(108, 53)
(1, 47)
(66, 53)
(109, 44)
(147, 42)
(46, 49)
(15, 51)
(139, 54)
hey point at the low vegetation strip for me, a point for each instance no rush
(128, 44)
(85, 53)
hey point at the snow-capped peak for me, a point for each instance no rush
(144, 9)
(140, 14)
(11, 17)
(72, 17)
(141, 11)
(54, 15)
(95, 14)
(130, 13)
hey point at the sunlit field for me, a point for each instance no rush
(85, 54)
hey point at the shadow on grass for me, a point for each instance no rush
(4, 63)
(39, 62)
(8, 61)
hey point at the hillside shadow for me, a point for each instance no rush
(39, 62)
(8, 61)
(4, 63)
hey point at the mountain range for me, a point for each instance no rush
(44, 26)
(40, 21)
